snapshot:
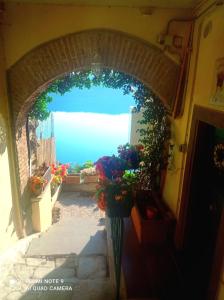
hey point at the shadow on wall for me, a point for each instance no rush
(26, 206)
(9, 227)
(3, 141)
(11, 221)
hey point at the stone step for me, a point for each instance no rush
(85, 267)
(52, 261)
(90, 267)
(38, 282)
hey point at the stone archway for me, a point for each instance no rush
(74, 52)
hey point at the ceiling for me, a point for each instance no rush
(127, 3)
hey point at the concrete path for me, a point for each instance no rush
(69, 261)
(80, 231)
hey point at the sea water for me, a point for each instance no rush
(82, 136)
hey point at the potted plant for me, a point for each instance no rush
(60, 169)
(44, 171)
(114, 195)
(37, 184)
(88, 175)
(115, 188)
(88, 172)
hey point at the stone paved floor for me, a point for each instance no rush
(69, 261)
(75, 204)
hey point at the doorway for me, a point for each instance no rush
(202, 209)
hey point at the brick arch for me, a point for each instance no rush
(117, 50)
(76, 51)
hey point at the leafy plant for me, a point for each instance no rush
(37, 184)
(59, 170)
(74, 169)
(115, 182)
(55, 182)
(40, 109)
(130, 177)
(77, 168)
(88, 164)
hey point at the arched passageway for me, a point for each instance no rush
(115, 50)
(74, 52)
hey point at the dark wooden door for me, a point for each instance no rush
(204, 214)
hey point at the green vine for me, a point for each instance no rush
(156, 130)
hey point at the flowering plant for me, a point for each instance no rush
(77, 168)
(55, 182)
(91, 171)
(88, 171)
(59, 170)
(115, 186)
(110, 167)
(132, 154)
(37, 184)
(120, 188)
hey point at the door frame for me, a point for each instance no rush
(216, 119)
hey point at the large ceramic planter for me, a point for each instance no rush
(155, 231)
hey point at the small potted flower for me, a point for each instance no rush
(37, 184)
(60, 170)
(114, 190)
(88, 173)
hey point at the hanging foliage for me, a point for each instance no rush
(155, 131)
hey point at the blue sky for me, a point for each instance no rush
(90, 123)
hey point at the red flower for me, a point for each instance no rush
(100, 171)
(139, 147)
(53, 169)
(102, 202)
(59, 170)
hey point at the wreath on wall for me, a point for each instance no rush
(218, 156)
